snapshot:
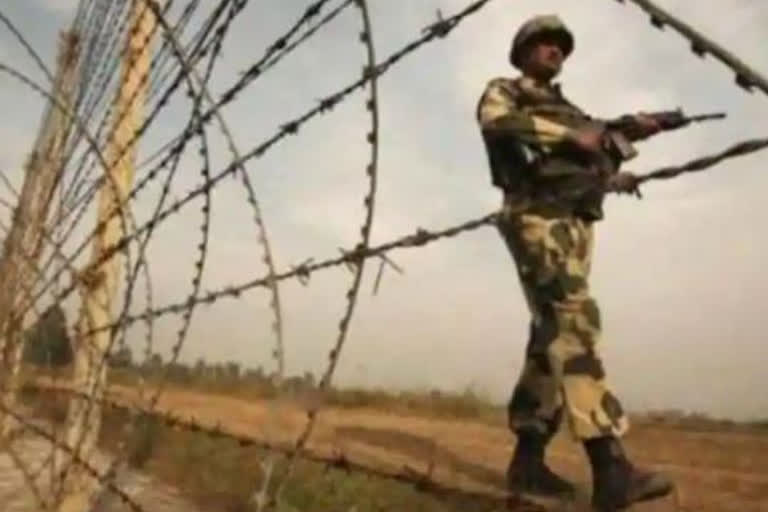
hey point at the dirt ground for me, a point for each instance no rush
(714, 471)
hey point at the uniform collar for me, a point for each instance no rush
(529, 83)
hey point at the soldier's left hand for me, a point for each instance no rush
(646, 125)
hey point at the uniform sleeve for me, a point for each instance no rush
(497, 112)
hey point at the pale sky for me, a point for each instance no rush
(679, 276)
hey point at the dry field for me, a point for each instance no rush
(716, 471)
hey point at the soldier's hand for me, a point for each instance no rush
(645, 125)
(589, 139)
(624, 182)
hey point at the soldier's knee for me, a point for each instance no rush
(581, 306)
(591, 312)
(587, 364)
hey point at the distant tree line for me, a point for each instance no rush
(47, 344)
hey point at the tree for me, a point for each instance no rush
(156, 361)
(200, 367)
(122, 358)
(47, 341)
(233, 370)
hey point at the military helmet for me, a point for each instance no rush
(548, 24)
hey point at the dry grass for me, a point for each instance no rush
(219, 474)
(720, 466)
(469, 404)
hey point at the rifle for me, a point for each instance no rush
(667, 119)
(620, 131)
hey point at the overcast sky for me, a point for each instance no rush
(680, 275)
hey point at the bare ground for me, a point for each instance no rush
(26, 478)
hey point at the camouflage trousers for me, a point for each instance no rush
(563, 373)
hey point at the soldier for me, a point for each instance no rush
(546, 154)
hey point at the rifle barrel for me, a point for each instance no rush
(706, 117)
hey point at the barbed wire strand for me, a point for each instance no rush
(84, 413)
(371, 171)
(88, 101)
(420, 481)
(438, 30)
(6, 444)
(152, 175)
(411, 47)
(275, 52)
(88, 467)
(75, 115)
(57, 103)
(420, 237)
(92, 101)
(98, 183)
(141, 259)
(27, 475)
(142, 234)
(275, 302)
(199, 263)
(164, 55)
(739, 149)
(27, 46)
(182, 331)
(746, 77)
(28, 259)
(107, 118)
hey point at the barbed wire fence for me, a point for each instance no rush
(180, 68)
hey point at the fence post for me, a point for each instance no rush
(24, 244)
(101, 277)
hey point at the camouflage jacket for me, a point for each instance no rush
(525, 128)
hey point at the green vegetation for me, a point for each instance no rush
(218, 474)
(47, 342)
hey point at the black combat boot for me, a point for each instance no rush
(527, 472)
(616, 483)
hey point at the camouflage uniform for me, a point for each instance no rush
(547, 166)
(547, 224)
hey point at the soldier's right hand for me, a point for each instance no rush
(624, 182)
